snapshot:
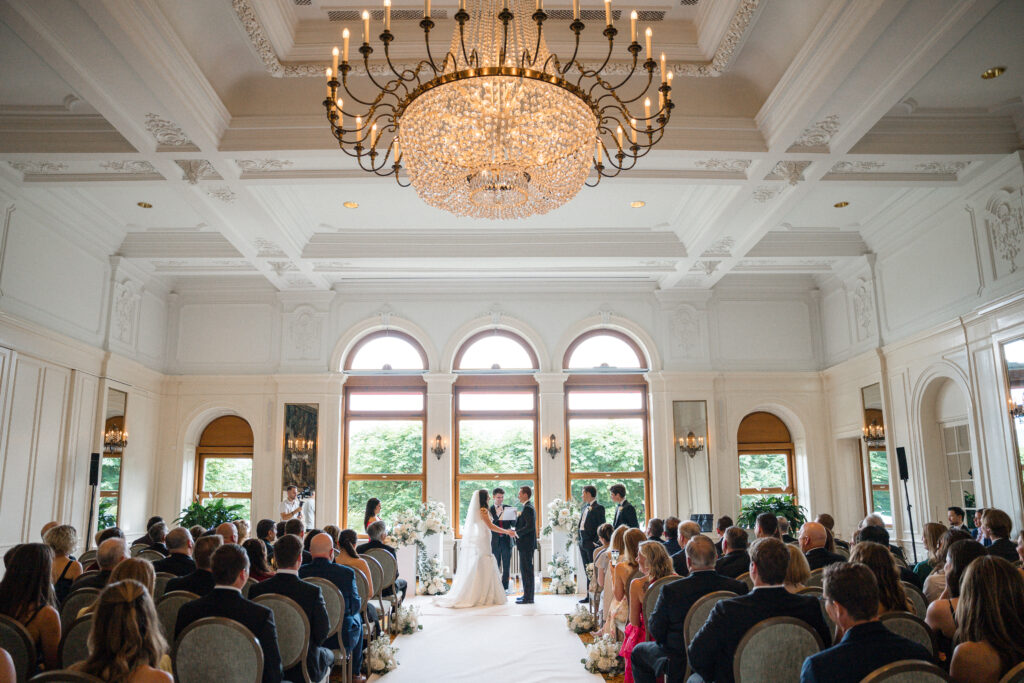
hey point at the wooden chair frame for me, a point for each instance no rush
(85, 618)
(764, 626)
(227, 623)
(904, 666)
(27, 642)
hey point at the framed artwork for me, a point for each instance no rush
(300, 438)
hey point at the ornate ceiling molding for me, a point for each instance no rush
(38, 167)
(133, 167)
(817, 137)
(725, 165)
(195, 170)
(224, 194)
(857, 166)
(942, 167)
(262, 165)
(722, 248)
(790, 171)
(766, 193)
(166, 133)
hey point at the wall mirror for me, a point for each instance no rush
(115, 441)
(1013, 365)
(875, 456)
(693, 467)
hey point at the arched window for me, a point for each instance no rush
(384, 414)
(606, 417)
(766, 458)
(495, 418)
(224, 462)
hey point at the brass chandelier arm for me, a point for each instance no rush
(539, 16)
(609, 32)
(577, 27)
(614, 92)
(634, 48)
(426, 25)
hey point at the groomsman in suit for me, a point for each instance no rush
(591, 518)
(625, 513)
(957, 517)
(526, 543)
(501, 544)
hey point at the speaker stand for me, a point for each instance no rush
(910, 518)
(92, 510)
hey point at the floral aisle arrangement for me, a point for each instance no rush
(603, 656)
(381, 655)
(407, 529)
(563, 575)
(406, 620)
(435, 518)
(581, 620)
(564, 516)
(431, 575)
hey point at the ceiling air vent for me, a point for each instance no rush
(303, 3)
(378, 14)
(684, 3)
(647, 15)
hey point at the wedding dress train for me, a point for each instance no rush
(477, 582)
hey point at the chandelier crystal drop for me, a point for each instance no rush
(499, 127)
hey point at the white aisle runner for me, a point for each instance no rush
(520, 643)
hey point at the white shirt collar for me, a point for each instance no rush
(229, 588)
(293, 572)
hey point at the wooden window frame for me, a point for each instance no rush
(869, 486)
(641, 356)
(347, 366)
(204, 453)
(772, 449)
(496, 333)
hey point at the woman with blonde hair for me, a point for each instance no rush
(798, 571)
(932, 537)
(627, 566)
(990, 621)
(616, 548)
(62, 541)
(242, 527)
(654, 563)
(891, 596)
(132, 569)
(125, 643)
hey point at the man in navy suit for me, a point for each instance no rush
(625, 513)
(526, 543)
(351, 631)
(231, 571)
(851, 598)
(501, 544)
(591, 517)
(813, 538)
(669, 645)
(712, 650)
(179, 562)
(201, 580)
(286, 582)
(734, 560)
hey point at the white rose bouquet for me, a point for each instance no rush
(406, 620)
(563, 575)
(603, 656)
(431, 575)
(381, 656)
(564, 516)
(435, 518)
(581, 620)
(407, 529)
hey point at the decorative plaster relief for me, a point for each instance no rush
(1004, 220)
(166, 132)
(863, 309)
(820, 134)
(197, 169)
(725, 165)
(268, 249)
(721, 248)
(129, 167)
(790, 171)
(857, 166)
(706, 267)
(685, 330)
(281, 267)
(127, 297)
(765, 193)
(224, 193)
(38, 167)
(942, 167)
(305, 327)
(262, 165)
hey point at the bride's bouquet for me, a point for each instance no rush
(431, 575)
(564, 516)
(408, 529)
(563, 575)
(435, 518)
(381, 656)
(603, 656)
(581, 621)
(406, 620)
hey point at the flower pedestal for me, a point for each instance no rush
(407, 563)
(558, 540)
(435, 546)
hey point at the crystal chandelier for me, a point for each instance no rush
(499, 127)
(874, 435)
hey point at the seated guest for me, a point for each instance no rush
(376, 533)
(125, 643)
(875, 520)
(650, 659)
(308, 538)
(931, 536)
(721, 526)
(158, 538)
(877, 558)
(671, 535)
(978, 532)
(941, 614)
(997, 525)
(878, 534)
(351, 631)
(957, 518)
(334, 532)
(734, 560)
(827, 521)
(604, 539)
(935, 583)
(851, 598)
(196, 531)
(62, 540)
(228, 533)
(279, 529)
(990, 621)
(230, 566)
(179, 554)
(812, 542)
(655, 529)
(712, 650)
(27, 597)
(132, 569)
(628, 564)
(111, 552)
(617, 545)
(349, 557)
(767, 526)
(654, 564)
(259, 568)
(784, 530)
(798, 571)
(109, 532)
(242, 530)
(687, 532)
(149, 524)
(266, 531)
(200, 581)
(286, 582)
(295, 527)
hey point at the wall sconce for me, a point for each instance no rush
(874, 435)
(439, 446)
(300, 445)
(552, 447)
(115, 440)
(691, 444)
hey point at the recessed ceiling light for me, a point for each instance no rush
(351, 205)
(994, 72)
(638, 204)
(841, 205)
(145, 205)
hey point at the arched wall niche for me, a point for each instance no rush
(195, 424)
(360, 330)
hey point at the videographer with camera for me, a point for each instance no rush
(299, 505)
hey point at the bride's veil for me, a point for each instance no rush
(474, 548)
(472, 528)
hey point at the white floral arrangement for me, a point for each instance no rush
(563, 575)
(431, 575)
(582, 620)
(407, 529)
(406, 620)
(564, 516)
(603, 656)
(381, 656)
(435, 518)
(590, 572)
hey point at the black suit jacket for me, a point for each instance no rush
(199, 582)
(786, 538)
(733, 563)
(1004, 548)
(178, 564)
(625, 514)
(679, 563)
(718, 547)
(229, 603)
(863, 649)
(819, 558)
(588, 532)
(94, 581)
(311, 600)
(499, 541)
(672, 546)
(526, 528)
(160, 548)
(713, 648)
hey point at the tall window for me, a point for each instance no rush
(878, 480)
(766, 458)
(224, 463)
(495, 417)
(385, 420)
(607, 417)
(1013, 365)
(957, 446)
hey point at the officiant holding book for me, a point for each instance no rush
(503, 516)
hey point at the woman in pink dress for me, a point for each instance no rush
(654, 564)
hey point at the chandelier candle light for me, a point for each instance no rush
(500, 127)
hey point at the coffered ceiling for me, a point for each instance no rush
(209, 111)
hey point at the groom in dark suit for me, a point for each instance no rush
(591, 517)
(501, 544)
(625, 513)
(526, 543)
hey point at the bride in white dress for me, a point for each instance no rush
(477, 582)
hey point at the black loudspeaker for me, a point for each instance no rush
(901, 460)
(94, 470)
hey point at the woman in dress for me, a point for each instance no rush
(477, 582)
(941, 615)
(990, 621)
(627, 566)
(27, 597)
(372, 513)
(62, 541)
(348, 556)
(654, 564)
(259, 568)
(935, 583)
(932, 537)
(604, 537)
(618, 546)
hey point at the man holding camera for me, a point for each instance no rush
(293, 506)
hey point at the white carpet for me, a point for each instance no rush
(521, 643)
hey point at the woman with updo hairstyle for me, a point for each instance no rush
(627, 566)
(348, 556)
(654, 563)
(259, 568)
(133, 569)
(125, 642)
(617, 545)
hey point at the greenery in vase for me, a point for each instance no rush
(210, 515)
(108, 514)
(780, 506)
